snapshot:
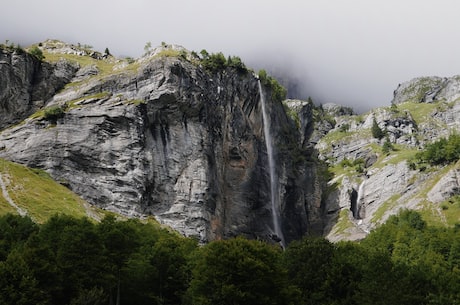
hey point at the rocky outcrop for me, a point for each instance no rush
(447, 186)
(26, 83)
(173, 141)
(428, 90)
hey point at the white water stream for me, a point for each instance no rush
(274, 194)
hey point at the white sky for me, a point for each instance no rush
(351, 52)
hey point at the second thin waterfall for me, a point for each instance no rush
(274, 194)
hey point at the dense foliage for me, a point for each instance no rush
(377, 132)
(37, 52)
(217, 62)
(76, 261)
(53, 113)
(442, 151)
(278, 92)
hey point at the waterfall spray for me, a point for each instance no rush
(274, 194)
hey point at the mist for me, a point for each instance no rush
(351, 52)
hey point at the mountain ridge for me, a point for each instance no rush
(171, 135)
(180, 138)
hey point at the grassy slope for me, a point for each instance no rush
(446, 213)
(38, 194)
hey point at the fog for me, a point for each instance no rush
(351, 52)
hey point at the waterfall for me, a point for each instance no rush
(358, 200)
(274, 194)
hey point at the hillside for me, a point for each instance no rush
(180, 137)
(34, 193)
(173, 134)
(374, 178)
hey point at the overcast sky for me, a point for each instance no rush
(351, 52)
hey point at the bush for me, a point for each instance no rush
(345, 127)
(442, 151)
(214, 62)
(53, 113)
(35, 51)
(236, 63)
(278, 91)
(387, 146)
(377, 132)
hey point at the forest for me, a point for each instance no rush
(69, 260)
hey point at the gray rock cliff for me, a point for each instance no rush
(26, 83)
(167, 139)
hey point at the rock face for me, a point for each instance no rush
(164, 137)
(428, 90)
(447, 186)
(26, 83)
(169, 140)
(376, 178)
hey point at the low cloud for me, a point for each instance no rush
(347, 52)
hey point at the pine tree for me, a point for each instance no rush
(377, 132)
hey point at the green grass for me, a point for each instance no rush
(400, 154)
(340, 170)
(74, 103)
(451, 210)
(135, 102)
(336, 135)
(431, 214)
(420, 111)
(343, 223)
(34, 191)
(390, 203)
(446, 213)
(5, 207)
(105, 66)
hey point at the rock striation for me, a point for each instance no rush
(162, 137)
(165, 136)
(27, 83)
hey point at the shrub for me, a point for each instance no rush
(344, 127)
(236, 63)
(377, 132)
(53, 113)
(215, 62)
(387, 146)
(35, 51)
(278, 91)
(130, 60)
(441, 152)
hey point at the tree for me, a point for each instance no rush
(14, 231)
(238, 271)
(236, 63)
(79, 258)
(377, 132)
(107, 52)
(37, 52)
(160, 272)
(214, 62)
(308, 263)
(120, 241)
(147, 47)
(387, 146)
(17, 282)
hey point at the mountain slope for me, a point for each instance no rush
(171, 135)
(34, 193)
(181, 137)
(375, 178)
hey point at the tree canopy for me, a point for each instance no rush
(74, 261)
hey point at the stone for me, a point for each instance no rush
(174, 142)
(26, 84)
(447, 186)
